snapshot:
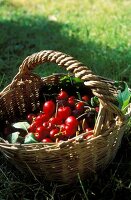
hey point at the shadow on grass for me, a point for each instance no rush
(22, 37)
(18, 39)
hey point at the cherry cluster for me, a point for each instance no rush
(62, 118)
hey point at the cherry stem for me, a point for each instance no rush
(84, 114)
(82, 101)
(56, 110)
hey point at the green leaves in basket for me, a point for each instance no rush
(79, 95)
(20, 129)
(30, 138)
(21, 125)
(70, 80)
(124, 95)
(94, 101)
(15, 138)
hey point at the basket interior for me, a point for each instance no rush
(27, 95)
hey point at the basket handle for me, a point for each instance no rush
(61, 59)
(104, 90)
(99, 87)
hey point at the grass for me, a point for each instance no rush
(96, 33)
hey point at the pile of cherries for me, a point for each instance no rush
(61, 118)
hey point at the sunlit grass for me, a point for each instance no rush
(101, 29)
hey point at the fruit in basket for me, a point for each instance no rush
(80, 106)
(62, 95)
(69, 131)
(64, 112)
(62, 117)
(85, 98)
(71, 101)
(49, 107)
(30, 117)
(42, 118)
(55, 120)
(41, 133)
(54, 133)
(66, 116)
(47, 140)
(71, 121)
(32, 127)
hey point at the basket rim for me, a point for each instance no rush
(74, 141)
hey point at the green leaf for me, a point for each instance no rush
(30, 138)
(124, 95)
(79, 96)
(21, 125)
(77, 80)
(15, 138)
(94, 101)
(72, 80)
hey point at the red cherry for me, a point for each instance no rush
(62, 127)
(71, 98)
(85, 98)
(62, 95)
(32, 127)
(48, 126)
(69, 131)
(31, 117)
(80, 106)
(55, 120)
(71, 121)
(97, 109)
(38, 136)
(64, 112)
(54, 133)
(71, 101)
(41, 118)
(47, 140)
(42, 131)
(49, 107)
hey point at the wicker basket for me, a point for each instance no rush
(61, 161)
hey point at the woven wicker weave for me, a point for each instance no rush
(62, 161)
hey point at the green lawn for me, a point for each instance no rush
(95, 32)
